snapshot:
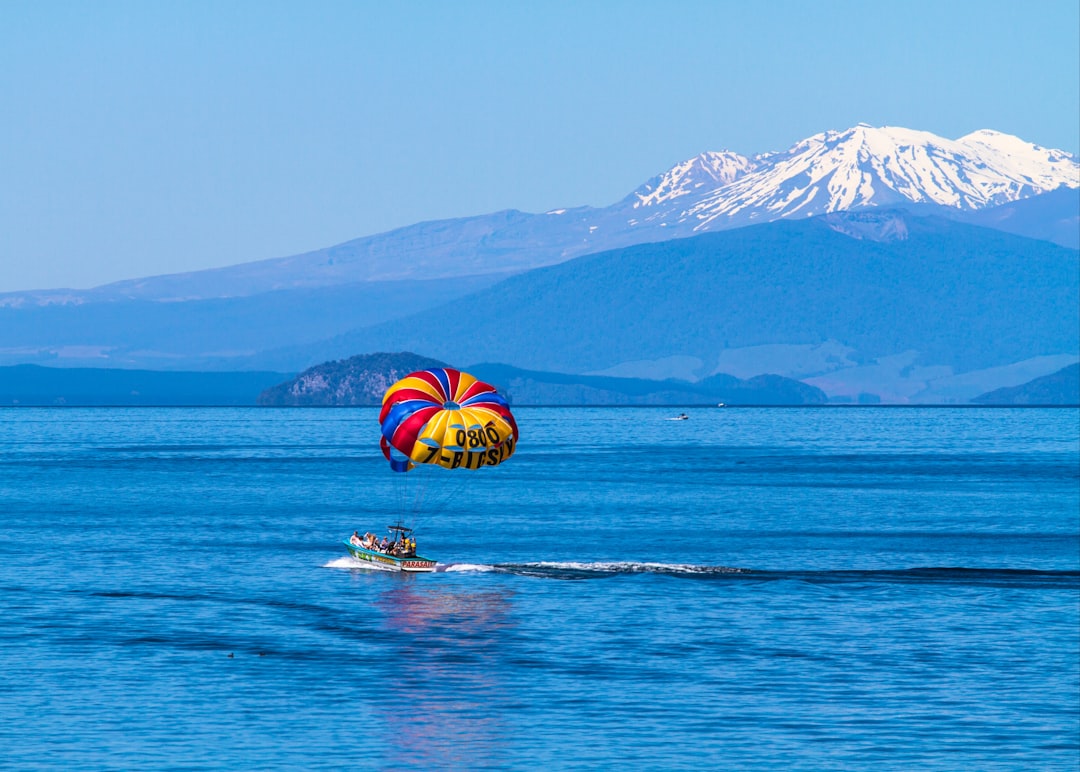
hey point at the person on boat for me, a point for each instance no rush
(385, 546)
(355, 539)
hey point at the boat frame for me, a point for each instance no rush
(387, 562)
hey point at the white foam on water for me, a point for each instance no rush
(629, 567)
(465, 567)
(351, 563)
(346, 562)
(614, 567)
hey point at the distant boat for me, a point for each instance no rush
(679, 417)
(720, 404)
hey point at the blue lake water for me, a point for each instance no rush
(822, 588)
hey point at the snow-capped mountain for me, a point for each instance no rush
(859, 167)
(706, 171)
(829, 172)
(761, 299)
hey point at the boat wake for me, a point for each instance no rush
(558, 570)
(596, 570)
(944, 575)
(345, 562)
(466, 567)
(350, 563)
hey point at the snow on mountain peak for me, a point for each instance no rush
(708, 170)
(858, 167)
(1044, 168)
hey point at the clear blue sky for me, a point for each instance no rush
(139, 138)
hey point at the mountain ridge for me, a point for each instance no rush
(1058, 388)
(830, 171)
(854, 303)
(915, 312)
(362, 380)
(359, 380)
(531, 387)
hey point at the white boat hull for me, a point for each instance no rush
(385, 562)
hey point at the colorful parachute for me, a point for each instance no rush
(445, 417)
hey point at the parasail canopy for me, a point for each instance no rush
(445, 417)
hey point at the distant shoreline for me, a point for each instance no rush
(361, 381)
(919, 406)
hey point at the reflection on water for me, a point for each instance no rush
(443, 674)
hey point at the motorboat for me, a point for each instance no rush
(398, 555)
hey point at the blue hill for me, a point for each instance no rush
(1053, 216)
(1060, 388)
(529, 387)
(959, 297)
(363, 379)
(214, 334)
